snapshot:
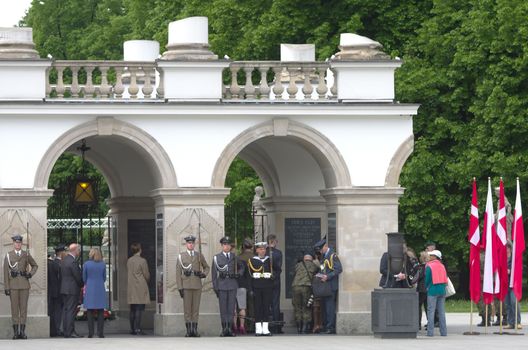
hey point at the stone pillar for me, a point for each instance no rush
(22, 210)
(197, 211)
(22, 72)
(364, 216)
(191, 71)
(124, 209)
(279, 210)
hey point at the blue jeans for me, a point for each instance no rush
(436, 302)
(510, 302)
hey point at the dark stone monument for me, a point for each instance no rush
(395, 310)
(301, 234)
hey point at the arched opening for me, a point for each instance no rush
(133, 165)
(294, 163)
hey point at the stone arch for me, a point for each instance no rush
(399, 158)
(108, 126)
(326, 154)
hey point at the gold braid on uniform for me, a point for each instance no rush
(253, 268)
(329, 262)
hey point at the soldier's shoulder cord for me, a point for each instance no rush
(182, 265)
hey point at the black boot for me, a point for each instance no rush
(189, 331)
(483, 324)
(308, 328)
(229, 330)
(223, 333)
(299, 327)
(22, 334)
(15, 331)
(194, 326)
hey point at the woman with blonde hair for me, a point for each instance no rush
(94, 277)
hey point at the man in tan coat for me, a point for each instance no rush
(16, 283)
(191, 267)
(137, 288)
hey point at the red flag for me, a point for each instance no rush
(487, 241)
(518, 247)
(501, 269)
(474, 248)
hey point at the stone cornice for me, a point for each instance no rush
(198, 196)
(130, 204)
(294, 204)
(367, 195)
(21, 198)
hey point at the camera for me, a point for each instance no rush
(310, 301)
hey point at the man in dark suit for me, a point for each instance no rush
(276, 259)
(71, 284)
(54, 296)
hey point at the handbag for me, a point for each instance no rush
(449, 289)
(321, 289)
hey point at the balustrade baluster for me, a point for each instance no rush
(161, 87)
(133, 89)
(292, 86)
(147, 86)
(119, 88)
(235, 88)
(249, 88)
(89, 88)
(59, 88)
(48, 84)
(307, 88)
(278, 89)
(333, 89)
(264, 87)
(322, 88)
(105, 88)
(75, 88)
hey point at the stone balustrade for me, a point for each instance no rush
(280, 81)
(104, 80)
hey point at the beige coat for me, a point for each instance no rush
(195, 264)
(18, 264)
(138, 277)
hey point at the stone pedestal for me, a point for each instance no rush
(181, 212)
(394, 313)
(23, 211)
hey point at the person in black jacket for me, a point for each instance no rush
(261, 287)
(276, 259)
(71, 284)
(54, 295)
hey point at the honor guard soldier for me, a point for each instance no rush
(226, 271)
(16, 283)
(329, 273)
(191, 268)
(261, 272)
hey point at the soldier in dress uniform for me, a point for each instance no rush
(226, 271)
(16, 283)
(191, 267)
(261, 272)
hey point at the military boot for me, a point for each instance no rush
(194, 327)
(229, 330)
(188, 327)
(299, 327)
(224, 325)
(483, 322)
(15, 331)
(22, 333)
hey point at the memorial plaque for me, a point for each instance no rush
(143, 232)
(300, 235)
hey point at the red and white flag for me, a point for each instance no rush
(487, 240)
(518, 247)
(501, 269)
(474, 248)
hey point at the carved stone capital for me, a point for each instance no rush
(189, 52)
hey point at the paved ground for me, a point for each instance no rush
(457, 324)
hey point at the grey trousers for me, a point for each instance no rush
(19, 300)
(227, 301)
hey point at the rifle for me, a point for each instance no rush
(200, 244)
(27, 236)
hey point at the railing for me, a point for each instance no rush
(104, 80)
(276, 80)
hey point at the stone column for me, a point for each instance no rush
(124, 209)
(197, 211)
(22, 210)
(364, 216)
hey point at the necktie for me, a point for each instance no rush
(18, 253)
(227, 256)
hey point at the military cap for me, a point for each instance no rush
(60, 248)
(17, 238)
(261, 244)
(225, 240)
(190, 238)
(320, 243)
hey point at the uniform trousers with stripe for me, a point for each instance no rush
(227, 301)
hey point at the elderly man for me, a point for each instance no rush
(16, 283)
(329, 273)
(54, 296)
(70, 289)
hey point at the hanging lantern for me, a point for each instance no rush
(84, 192)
